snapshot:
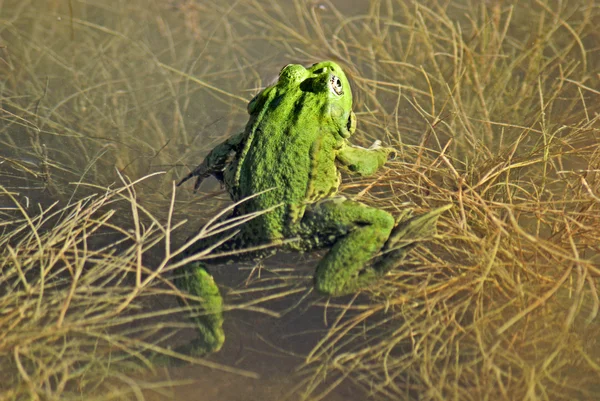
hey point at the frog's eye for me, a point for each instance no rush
(336, 85)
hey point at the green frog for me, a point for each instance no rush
(287, 162)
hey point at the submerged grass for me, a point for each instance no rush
(496, 108)
(493, 106)
(76, 305)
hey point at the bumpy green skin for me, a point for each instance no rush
(194, 279)
(292, 148)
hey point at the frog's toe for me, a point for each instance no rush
(211, 340)
(416, 228)
(375, 145)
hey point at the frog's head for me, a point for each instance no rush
(321, 90)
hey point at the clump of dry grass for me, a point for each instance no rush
(495, 107)
(90, 94)
(76, 297)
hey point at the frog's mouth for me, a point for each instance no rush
(347, 130)
(350, 125)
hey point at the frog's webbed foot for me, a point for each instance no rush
(405, 236)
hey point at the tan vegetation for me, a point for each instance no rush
(76, 302)
(497, 109)
(494, 106)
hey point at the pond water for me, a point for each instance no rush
(143, 87)
(92, 91)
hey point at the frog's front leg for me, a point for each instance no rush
(357, 233)
(215, 161)
(363, 161)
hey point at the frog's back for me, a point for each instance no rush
(281, 161)
(289, 154)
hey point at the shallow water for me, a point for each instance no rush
(144, 87)
(101, 97)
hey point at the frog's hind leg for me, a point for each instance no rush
(357, 233)
(203, 297)
(206, 304)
